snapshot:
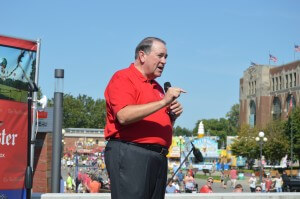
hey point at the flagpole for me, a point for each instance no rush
(294, 52)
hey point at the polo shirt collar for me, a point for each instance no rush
(138, 73)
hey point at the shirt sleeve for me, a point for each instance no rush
(121, 92)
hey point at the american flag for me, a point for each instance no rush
(273, 58)
(297, 48)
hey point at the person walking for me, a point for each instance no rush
(252, 182)
(233, 176)
(180, 177)
(139, 123)
(263, 185)
(278, 183)
(269, 183)
(69, 183)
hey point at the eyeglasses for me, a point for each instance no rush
(210, 181)
(257, 189)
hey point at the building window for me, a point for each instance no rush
(290, 103)
(291, 80)
(276, 109)
(276, 83)
(286, 81)
(273, 84)
(254, 86)
(294, 79)
(252, 117)
(280, 83)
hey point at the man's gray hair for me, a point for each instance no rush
(146, 44)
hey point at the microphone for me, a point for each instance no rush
(172, 115)
(167, 85)
(197, 153)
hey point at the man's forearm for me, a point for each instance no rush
(134, 113)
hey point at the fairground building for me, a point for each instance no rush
(268, 93)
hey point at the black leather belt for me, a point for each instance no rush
(152, 147)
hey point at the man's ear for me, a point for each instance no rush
(142, 57)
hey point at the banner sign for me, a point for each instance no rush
(17, 69)
(207, 146)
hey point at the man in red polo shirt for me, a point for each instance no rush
(138, 124)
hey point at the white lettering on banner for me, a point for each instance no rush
(7, 139)
(16, 111)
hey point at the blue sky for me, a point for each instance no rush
(210, 43)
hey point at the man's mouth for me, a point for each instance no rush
(160, 68)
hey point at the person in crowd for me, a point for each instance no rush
(226, 180)
(180, 177)
(69, 183)
(207, 188)
(222, 177)
(252, 182)
(269, 183)
(139, 123)
(263, 185)
(78, 180)
(170, 188)
(258, 189)
(238, 188)
(172, 174)
(94, 186)
(189, 183)
(278, 183)
(176, 185)
(233, 176)
(191, 172)
(285, 179)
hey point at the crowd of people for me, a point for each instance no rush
(85, 182)
(86, 173)
(186, 182)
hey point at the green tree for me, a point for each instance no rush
(277, 145)
(177, 131)
(233, 119)
(292, 128)
(83, 112)
(245, 144)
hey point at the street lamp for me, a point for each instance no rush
(261, 139)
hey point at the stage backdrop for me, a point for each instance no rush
(17, 68)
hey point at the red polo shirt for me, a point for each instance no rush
(130, 87)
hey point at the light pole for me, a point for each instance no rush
(261, 139)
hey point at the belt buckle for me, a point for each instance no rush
(163, 151)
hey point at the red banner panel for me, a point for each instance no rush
(13, 144)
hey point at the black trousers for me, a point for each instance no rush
(135, 172)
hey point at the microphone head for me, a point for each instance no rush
(167, 85)
(197, 153)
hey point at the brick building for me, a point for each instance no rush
(268, 93)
